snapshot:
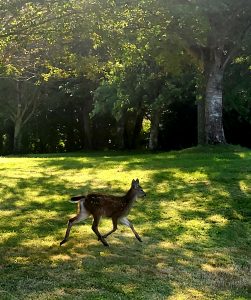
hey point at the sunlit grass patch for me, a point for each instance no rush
(194, 223)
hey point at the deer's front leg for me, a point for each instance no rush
(126, 222)
(115, 223)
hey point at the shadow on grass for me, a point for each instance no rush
(194, 222)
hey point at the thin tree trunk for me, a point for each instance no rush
(87, 128)
(137, 129)
(18, 121)
(1, 142)
(24, 110)
(201, 122)
(17, 146)
(121, 132)
(200, 101)
(154, 130)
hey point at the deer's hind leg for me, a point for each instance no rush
(126, 222)
(82, 215)
(96, 219)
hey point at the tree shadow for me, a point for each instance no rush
(194, 225)
(217, 220)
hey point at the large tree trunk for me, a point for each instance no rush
(213, 105)
(210, 125)
(154, 130)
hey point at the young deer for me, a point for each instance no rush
(114, 207)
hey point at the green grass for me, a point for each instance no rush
(194, 222)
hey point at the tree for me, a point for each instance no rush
(129, 55)
(237, 100)
(213, 32)
(19, 105)
(28, 43)
(140, 56)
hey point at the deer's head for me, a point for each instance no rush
(137, 189)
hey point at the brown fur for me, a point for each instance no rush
(99, 205)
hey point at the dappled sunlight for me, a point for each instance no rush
(198, 176)
(245, 186)
(218, 219)
(165, 245)
(225, 278)
(214, 275)
(188, 294)
(242, 154)
(39, 243)
(193, 223)
(5, 236)
(210, 268)
(57, 258)
(127, 288)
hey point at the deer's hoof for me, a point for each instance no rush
(104, 242)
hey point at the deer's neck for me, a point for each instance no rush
(130, 196)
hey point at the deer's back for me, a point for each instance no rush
(105, 205)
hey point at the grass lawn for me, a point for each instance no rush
(194, 222)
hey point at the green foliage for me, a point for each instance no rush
(133, 52)
(105, 96)
(32, 35)
(238, 89)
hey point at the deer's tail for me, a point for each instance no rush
(76, 199)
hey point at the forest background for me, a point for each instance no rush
(116, 74)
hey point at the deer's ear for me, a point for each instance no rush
(137, 181)
(134, 183)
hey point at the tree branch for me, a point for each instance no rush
(237, 46)
(25, 29)
(35, 99)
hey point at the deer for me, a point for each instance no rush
(99, 205)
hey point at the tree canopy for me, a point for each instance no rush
(122, 74)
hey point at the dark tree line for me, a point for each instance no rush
(123, 75)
